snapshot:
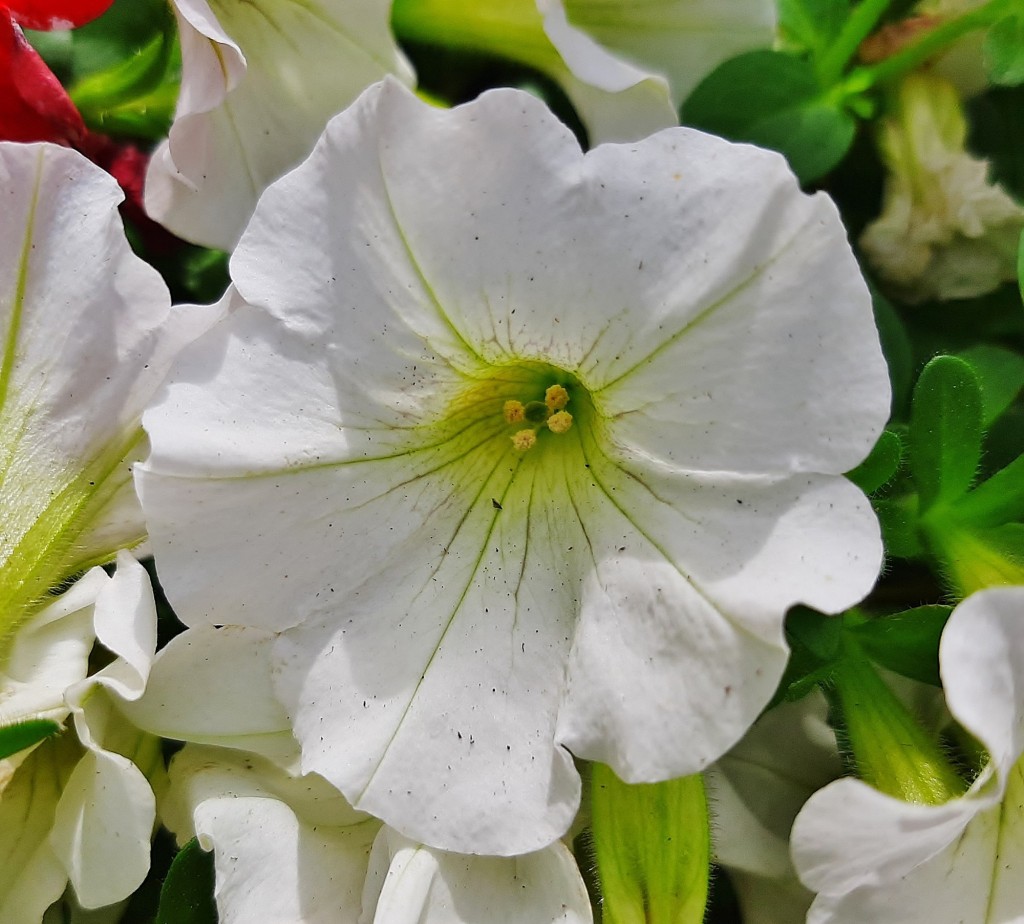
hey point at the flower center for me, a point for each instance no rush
(549, 413)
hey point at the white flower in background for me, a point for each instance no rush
(874, 858)
(522, 452)
(756, 790)
(79, 810)
(626, 65)
(260, 79)
(292, 849)
(87, 335)
(945, 230)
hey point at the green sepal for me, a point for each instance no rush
(187, 893)
(945, 431)
(889, 747)
(23, 735)
(881, 464)
(652, 844)
(905, 643)
(773, 100)
(1000, 375)
(1004, 51)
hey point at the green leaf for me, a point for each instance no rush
(187, 894)
(653, 848)
(997, 134)
(1000, 374)
(773, 100)
(945, 431)
(881, 464)
(811, 25)
(998, 500)
(1004, 51)
(15, 738)
(906, 643)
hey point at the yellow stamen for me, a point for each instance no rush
(556, 397)
(560, 421)
(524, 439)
(514, 411)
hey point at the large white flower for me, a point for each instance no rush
(79, 811)
(874, 858)
(523, 452)
(627, 65)
(86, 335)
(260, 78)
(291, 849)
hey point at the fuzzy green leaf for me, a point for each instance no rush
(880, 465)
(945, 431)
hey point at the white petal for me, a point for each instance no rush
(88, 337)
(50, 653)
(976, 876)
(102, 828)
(213, 685)
(449, 735)
(982, 663)
(31, 876)
(683, 40)
(758, 788)
(126, 624)
(616, 101)
(255, 96)
(286, 849)
(412, 884)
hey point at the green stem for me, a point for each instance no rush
(931, 43)
(858, 26)
(891, 750)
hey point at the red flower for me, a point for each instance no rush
(33, 104)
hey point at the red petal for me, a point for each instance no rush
(55, 14)
(33, 104)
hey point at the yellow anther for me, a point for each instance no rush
(556, 397)
(524, 439)
(560, 421)
(514, 411)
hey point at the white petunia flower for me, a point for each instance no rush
(874, 858)
(79, 811)
(291, 849)
(87, 335)
(945, 230)
(259, 81)
(524, 453)
(626, 65)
